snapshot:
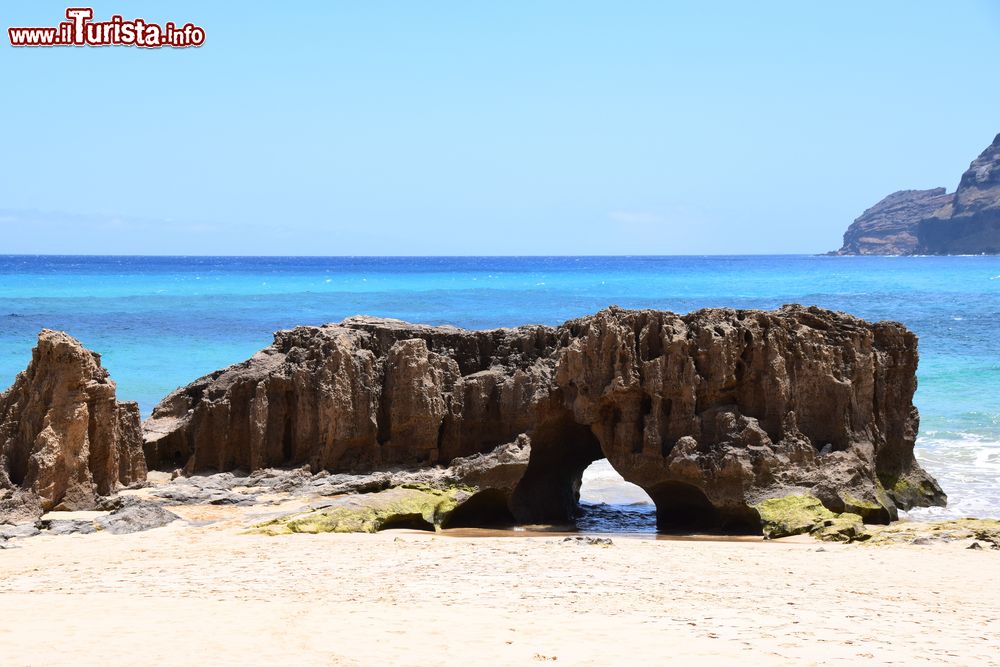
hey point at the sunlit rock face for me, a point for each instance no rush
(63, 435)
(709, 413)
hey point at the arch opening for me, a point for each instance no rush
(561, 449)
(609, 504)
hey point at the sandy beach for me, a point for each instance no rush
(208, 594)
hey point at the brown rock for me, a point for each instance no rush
(63, 435)
(19, 506)
(710, 413)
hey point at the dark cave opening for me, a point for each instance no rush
(486, 509)
(407, 521)
(683, 508)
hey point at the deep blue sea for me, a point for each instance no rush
(160, 322)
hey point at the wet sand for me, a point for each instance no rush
(207, 594)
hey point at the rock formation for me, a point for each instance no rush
(970, 223)
(890, 226)
(712, 413)
(931, 222)
(63, 437)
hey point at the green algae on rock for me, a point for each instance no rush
(797, 515)
(844, 527)
(415, 506)
(920, 532)
(913, 491)
(882, 510)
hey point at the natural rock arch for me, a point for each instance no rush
(718, 409)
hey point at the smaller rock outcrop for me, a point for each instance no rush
(64, 437)
(18, 506)
(416, 507)
(890, 226)
(135, 516)
(986, 532)
(798, 515)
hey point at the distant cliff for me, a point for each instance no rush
(890, 226)
(969, 224)
(932, 222)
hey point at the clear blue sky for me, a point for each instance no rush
(575, 127)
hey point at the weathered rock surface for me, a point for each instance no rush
(9, 532)
(798, 515)
(986, 532)
(416, 507)
(970, 223)
(710, 413)
(890, 226)
(63, 435)
(135, 516)
(931, 222)
(19, 506)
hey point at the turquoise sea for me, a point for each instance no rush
(160, 322)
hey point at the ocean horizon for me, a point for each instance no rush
(159, 322)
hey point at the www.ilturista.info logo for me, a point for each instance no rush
(80, 30)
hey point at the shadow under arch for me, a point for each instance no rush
(684, 508)
(561, 449)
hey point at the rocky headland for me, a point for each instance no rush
(890, 227)
(934, 222)
(728, 419)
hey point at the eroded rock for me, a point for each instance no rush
(134, 517)
(799, 515)
(986, 531)
(10, 532)
(19, 506)
(63, 435)
(416, 507)
(710, 413)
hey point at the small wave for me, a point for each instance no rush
(612, 518)
(967, 466)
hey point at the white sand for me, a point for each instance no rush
(185, 595)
